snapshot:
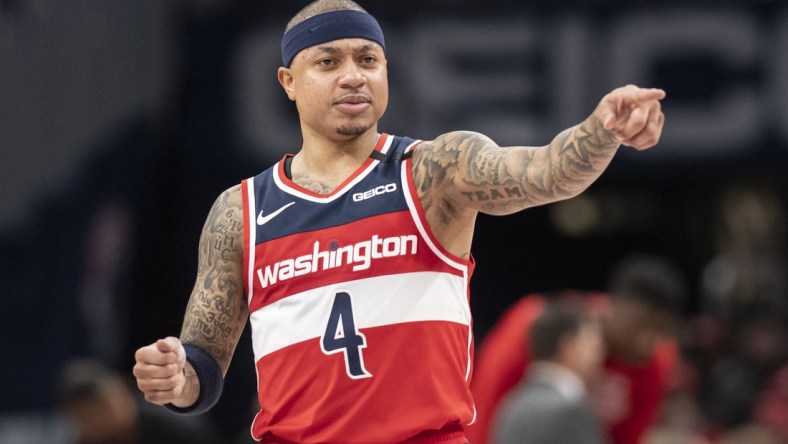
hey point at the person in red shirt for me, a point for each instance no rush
(638, 314)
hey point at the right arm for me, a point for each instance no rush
(215, 315)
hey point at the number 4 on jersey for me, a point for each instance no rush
(341, 335)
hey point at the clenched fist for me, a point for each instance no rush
(160, 372)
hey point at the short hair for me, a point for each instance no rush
(321, 7)
(559, 320)
(651, 279)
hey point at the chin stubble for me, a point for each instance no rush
(352, 131)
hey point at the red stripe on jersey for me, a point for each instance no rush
(390, 236)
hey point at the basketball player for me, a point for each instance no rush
(351, 259)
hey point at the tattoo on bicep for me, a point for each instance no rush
(455, 155)
(494, 193)
(486, 177)
(472, 162)
(433, 164)
(216, 313)
(482, 166)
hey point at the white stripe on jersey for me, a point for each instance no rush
(251, 228)
(377, 301)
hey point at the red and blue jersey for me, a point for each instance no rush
(361, 323)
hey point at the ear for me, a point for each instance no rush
(285, 76)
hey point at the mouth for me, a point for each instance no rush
(353, 104)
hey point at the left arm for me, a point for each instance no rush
(484, 177)
(473, 172)
(462, 173)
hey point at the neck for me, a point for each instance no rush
(328, 162)
(561, 377)
(337, 148)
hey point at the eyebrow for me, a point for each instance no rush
(329, 49)
(333, 49)
(365, 48)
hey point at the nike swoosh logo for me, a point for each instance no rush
(262, 220)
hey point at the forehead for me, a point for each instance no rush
(349, 45)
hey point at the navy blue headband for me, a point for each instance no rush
(330, 26)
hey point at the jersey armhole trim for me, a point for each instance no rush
(250, 231)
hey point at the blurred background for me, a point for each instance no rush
(121, 122)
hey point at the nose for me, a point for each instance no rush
(352, 76)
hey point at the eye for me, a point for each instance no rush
(326, 62)
(368, 61)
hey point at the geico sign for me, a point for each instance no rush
(382, 189)
(521, 80)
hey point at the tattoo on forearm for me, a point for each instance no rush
(587, 140)
(500, 181)
(584, 152)
(216, 313)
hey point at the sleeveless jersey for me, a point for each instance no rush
(361, 323)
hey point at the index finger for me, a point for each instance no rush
(646, 94)
(618, 104)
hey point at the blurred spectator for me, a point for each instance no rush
(26, 428)
(104, 409)
(681, 422)
(729, 394)
(750, 268)
(105, 263)
(681, 419)
(638, 316)
(745, 290)
(771, 409)
(550, 403)
(73, 264)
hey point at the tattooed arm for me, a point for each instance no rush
(215, 315)
(462, 173)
